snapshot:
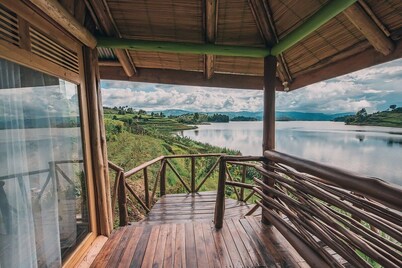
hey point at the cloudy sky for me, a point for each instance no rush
(375, 88)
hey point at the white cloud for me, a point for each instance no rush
(374, 88)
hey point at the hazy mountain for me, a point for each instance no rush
(291, 116)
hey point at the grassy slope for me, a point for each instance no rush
(133, 144)
(385, 119)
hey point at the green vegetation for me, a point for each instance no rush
(390, 118)
(244, 118)
(135, 137)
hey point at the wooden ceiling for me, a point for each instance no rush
(365, 34)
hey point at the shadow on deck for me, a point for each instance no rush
(179, 232)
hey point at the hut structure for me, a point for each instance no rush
(55, 197)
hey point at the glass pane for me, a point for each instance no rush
(43, 194)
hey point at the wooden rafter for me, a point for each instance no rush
(356, 14)
(211, 18)
(263, 18)
(364, 59)
(102, 13)
(64, 18)
(187, 78)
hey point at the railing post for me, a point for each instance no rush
(220, 196)
(146, 187)
(192, 174)
(243, 180)
(163, 178)
(122, 201)
(270, 63)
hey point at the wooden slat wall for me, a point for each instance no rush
(173, 61)
(236, 25)
(328, 40)
(239, 65)
(45, 47)
(168, 20)
(388, 12)
(9, 26)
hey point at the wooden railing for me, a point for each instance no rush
(121, 185)
(329, 215)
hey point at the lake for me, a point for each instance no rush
(366, 150)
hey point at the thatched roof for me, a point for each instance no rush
(365, 34)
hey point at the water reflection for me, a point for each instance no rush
(372, 151)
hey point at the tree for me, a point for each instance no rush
(392, 107)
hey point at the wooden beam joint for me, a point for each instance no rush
(358, 16)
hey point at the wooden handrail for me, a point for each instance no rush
(142, 166)
(371, 187)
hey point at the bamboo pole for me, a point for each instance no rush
(220, 196)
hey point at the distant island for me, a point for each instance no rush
(389, 118)
(258, 115)
(243, 118)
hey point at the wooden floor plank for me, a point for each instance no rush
(234, 254)
(200, 247)
(190, 251)
(138, 255)
(245, 256)
(180, 247)
(119, 249)
(254, 255)
(221, 248)
(212, 251)
(151, 247)
(128, 252)
(108, 249)
(170, 246)
(258, 245)
(159, 254)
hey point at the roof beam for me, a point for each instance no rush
(186, 78)
(264, 21)
(364, 59)
(102, 13)
(177, 47)
(60, 15)
(211, 7)
(369, 29)
(315, 21)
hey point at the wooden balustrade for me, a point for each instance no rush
(330, 216)
(121, 188)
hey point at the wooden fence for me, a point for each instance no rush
(330, 216)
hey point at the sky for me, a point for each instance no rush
(374, 88)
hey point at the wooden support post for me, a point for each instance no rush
(192, 174)
(270, 63)
(210, 36)
(220, 196)
(122, 197)
(243, 180)
(98, 142)
(163, 179)
(146, 187)
(356, 14)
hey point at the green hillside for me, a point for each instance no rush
(390, 118)
(136, 137)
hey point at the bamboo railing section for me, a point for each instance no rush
(121, 187)
(330, 216)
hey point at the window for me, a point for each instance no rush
(43, 193)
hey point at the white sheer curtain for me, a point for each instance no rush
(29, 218)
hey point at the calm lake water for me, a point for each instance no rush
(366, 150)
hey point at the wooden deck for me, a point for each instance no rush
(175, 208)
(240, 243)
(179, 232)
